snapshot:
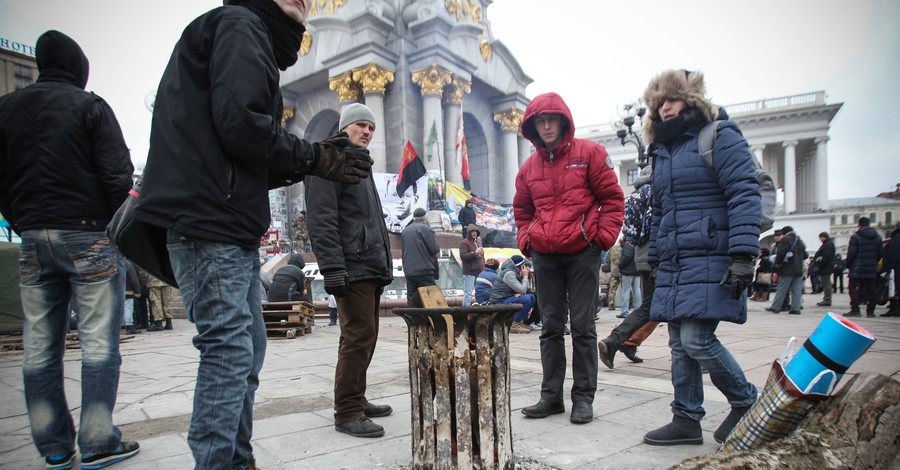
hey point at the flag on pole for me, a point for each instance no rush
(432, 140)
(411, 169)
(462, 153)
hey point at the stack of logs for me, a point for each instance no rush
(286, 320)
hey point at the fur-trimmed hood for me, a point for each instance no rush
(675, 84)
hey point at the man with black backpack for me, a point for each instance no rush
(790, 254)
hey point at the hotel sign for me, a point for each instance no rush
(14, 46)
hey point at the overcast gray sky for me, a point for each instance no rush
(594, 53)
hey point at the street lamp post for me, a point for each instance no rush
(629, 113)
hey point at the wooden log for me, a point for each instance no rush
(443, 408)
(485, 393)
(429, 297)
(461, 364)
(500, 367)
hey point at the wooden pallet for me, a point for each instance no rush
(286, 320)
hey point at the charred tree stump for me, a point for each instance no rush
(857, 428)
(459, 386)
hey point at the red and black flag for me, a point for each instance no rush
(411, 169)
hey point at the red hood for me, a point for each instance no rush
(544, 104)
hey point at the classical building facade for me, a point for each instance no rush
(883, 214)
(422, 64)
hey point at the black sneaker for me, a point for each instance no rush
(360, 427)
(60, 462)
(126, 449)
(377, 411)
(131, 330)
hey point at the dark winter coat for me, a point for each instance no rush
(892, 253)
(627, 266)
(790, 265)
(700, 222)
(863, 252)
(346, 229)
(483, 284)
(472, 263)
(420, 250)
(289, 281)
(824, 257)
(216, 141)
(466, 216)
(63, 161)
(567, 196)
(509, 282)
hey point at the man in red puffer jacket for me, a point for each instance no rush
(568, 208)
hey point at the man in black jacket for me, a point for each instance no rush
(863, 253)
(824, 259)
(790, 254)
(64, 170)
(350, 240)
(216, 147)
(467, 217)
(420, 255)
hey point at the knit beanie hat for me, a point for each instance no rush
(355, 112)
(286, 33)
(825, 235)
(675, 85)
(517, 260)
(419, 213)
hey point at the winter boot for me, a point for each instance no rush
(764, 297)
(894, 309)
(755, 296)
(737, 412)
(168, 324)
(155, 326)
(682, 430)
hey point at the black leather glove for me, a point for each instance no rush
(741, 275)
(338, 161)
(336, 282)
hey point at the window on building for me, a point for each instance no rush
(632, 176)
(844, 219)
(834, 220)
(23, 77)
(888, 218)
(856, 218)
(872, 217)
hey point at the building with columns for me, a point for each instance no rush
(423, 63)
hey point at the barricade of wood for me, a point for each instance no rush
(285, 320)
(460, 384)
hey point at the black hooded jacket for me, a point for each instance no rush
(216, 142)
(863, 252)
(63, 161)
(289, 281)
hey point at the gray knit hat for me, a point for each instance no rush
(355, 112)
(419, 213)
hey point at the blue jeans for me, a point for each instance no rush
(220, 287)
(629, 284)
(527, 301)
(695, 347)
(468, 289)
(57, 267)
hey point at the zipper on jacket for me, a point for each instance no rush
(231, 178)
(583, 232)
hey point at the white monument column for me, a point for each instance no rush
(509, 120)
(524, 150)
(790, 176)
(453, 96)
(431, 80)
(821, 183)
(373, 78)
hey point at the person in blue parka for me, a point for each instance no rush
(704, 236)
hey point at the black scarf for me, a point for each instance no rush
(286, 33)
(666, 131)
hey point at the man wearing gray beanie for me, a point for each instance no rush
(347, 218)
